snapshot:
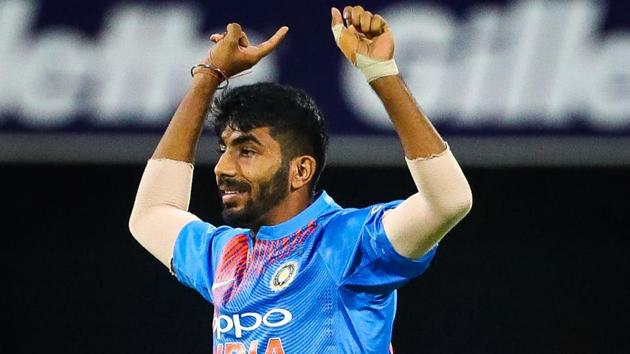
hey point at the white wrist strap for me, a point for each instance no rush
(374, 69)
(370, 68)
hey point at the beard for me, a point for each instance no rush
(269, 195)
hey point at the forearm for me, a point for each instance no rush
(179, 141)
(417, 135)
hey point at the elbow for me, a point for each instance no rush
(466, 202)
(458, 207)
(135, 223)
(139, 226)
(465, 206)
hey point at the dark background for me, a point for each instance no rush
(540, 265)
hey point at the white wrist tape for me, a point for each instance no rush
(372, 69)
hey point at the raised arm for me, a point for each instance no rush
(444, 196)
(161, 206)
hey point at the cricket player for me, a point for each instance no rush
(291, 271)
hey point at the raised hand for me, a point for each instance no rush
(363, 33)
(233, 53)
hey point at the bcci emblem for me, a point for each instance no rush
(283, 276)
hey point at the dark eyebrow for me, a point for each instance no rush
(243, 139)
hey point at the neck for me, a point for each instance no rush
(292, 205)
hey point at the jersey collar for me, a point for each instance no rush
(322, 204)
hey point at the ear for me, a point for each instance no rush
(302, 171)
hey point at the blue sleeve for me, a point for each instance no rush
(192, 257)
(365, 258)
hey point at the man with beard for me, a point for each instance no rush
(292, 271)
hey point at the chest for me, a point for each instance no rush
(256, 273)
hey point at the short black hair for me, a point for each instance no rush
(293, 116)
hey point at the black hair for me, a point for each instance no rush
(295, 120)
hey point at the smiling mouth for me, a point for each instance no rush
(231, 196)
(231, 191)
(228, 196)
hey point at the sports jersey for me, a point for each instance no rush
(323, 281)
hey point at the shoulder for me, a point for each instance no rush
(351, 219)
(344, 233)
(204, 234)
(343, 229)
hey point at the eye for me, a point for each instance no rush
(247, 152)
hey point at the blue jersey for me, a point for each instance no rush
(322, 282)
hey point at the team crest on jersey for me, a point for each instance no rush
(283, 276)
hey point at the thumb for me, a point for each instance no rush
(344, 37)
(336, 17)
(336, 23)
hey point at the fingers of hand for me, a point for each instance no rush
(243, 41)
(347, 15)
(355, 16)
(267, 46)
(377, 25)
(364, 20)
(356, 32)
(234, 33)
(217, 37)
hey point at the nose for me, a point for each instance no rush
(225, 166)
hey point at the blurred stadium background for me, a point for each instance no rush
(533, 97)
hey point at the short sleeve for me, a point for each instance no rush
(371, 262)
(192, 257)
